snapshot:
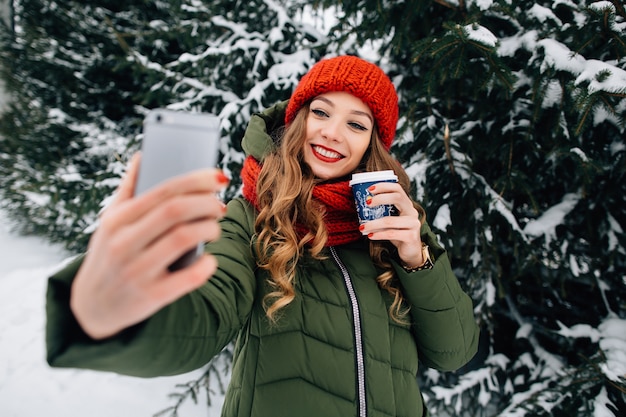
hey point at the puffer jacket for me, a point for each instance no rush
(334, 351)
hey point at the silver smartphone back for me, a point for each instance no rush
(177, 143)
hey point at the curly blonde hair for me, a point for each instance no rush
(284, 189)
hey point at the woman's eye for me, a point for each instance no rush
(318, 112)
(357, 126)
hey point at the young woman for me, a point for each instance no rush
(330, 318)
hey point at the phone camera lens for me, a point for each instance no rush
(159, 118)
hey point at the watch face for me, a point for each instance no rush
(425, 253)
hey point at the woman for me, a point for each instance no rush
(329, 316)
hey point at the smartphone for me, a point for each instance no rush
(176, 143)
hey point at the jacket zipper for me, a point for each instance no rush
(358, 337)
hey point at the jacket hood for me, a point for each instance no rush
(260, 136)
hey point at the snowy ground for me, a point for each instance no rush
(28, 386)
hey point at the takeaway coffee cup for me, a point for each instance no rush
(360, 183)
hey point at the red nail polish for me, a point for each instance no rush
(371, 188)
(222, 178)
(361, 227)
(368, 200)
(370, 235)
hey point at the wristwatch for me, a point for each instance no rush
(427, 264)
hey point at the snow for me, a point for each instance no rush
(600, 6)
(442, 218)
(602, 76)
(543, 14)
(598, 75)
(579, 330)
(612, 336)
(560, 57)
(481, 35)
(28, 386)
(481, 4)
(546, 224)
(613, 344)
(37, 199)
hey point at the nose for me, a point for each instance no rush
(332, 131)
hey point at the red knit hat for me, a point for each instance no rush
(357, 77)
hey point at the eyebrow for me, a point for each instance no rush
(355, 112)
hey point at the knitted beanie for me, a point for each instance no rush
(357, 77)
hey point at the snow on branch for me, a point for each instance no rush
(481, 35)
(546, 224)
(613, 343)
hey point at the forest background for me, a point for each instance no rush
(512, 129)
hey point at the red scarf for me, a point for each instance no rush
(341, 218)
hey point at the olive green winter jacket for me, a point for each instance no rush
(334, 352)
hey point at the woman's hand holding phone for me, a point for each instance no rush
(125, 276)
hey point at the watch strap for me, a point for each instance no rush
(427, 264)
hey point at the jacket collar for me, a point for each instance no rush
(259, 138)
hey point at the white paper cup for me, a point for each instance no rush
(360, 183)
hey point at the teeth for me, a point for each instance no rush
(327, 153)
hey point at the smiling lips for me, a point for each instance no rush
(325, 154)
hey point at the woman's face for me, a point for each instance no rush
(338, 132)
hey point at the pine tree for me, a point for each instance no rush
(82, 76)
(71, 115)
(512, 126)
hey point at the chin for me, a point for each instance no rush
(328, 176)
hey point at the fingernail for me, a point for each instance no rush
(371, 188)
(368, 200)
(361, 227)
(370, 235)
(222, 178)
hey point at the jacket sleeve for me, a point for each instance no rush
(442, 314)
(181, 337)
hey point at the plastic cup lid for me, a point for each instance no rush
(375, 176)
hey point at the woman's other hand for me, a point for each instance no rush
(403, 230)
(124, 278)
